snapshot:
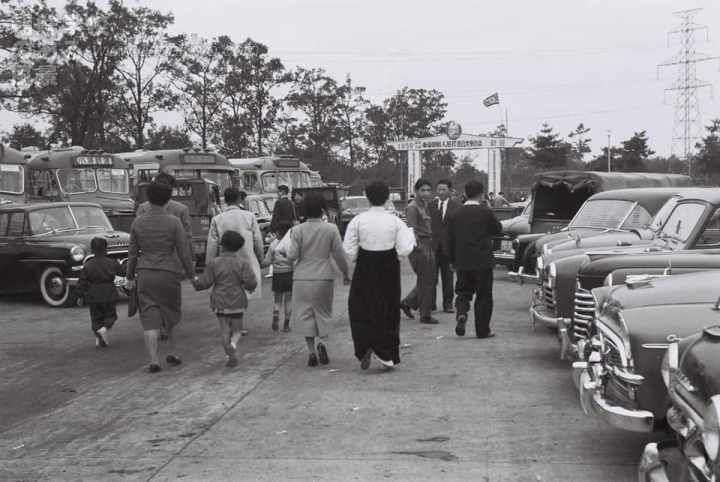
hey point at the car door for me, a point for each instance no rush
(5, 264)
(17, 275)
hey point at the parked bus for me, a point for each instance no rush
(263, 175)
(81, 175)
(13, 175)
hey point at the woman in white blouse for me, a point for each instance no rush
(374, 239)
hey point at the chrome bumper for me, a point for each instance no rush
(528, 277)
(540, 316)
(591, 397)
(652, 467)
(514, 276)
(504, 259)
(569, 350)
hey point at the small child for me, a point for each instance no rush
(229, 275)
(97, 287)
(282, 282)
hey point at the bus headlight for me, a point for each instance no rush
(711, 432)
(77, 254)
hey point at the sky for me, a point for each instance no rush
(562, 62)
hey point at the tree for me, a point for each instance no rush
(580, 143)
(25, 135)
(635, 151)
(708, 156)
(167, 137)
(548, 150)
(351, 106)
(600, 163)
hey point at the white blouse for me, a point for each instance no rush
(378, 230)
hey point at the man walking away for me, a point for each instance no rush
(421, 259)
(440, 211)
(471, 254)
(284, 209)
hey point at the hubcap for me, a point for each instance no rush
(56, 286)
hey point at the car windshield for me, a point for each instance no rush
(682, 221)
(663, 214)
(67, 218)
(116, 181)
(291, 179)
(602, 214)
(76, 181)
(389, 206)
(356, 203)
(12, 178)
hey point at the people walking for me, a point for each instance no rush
(243, 222)
(441, 209)
(500, 200)
(421, 259)
(471, 255)
(282, 283)
(96, 284)
(158, 255)
(374, 239)
(230, 276)
(312, 244)
(284, 209)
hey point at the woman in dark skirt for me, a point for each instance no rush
(158, 255)
(374, 239)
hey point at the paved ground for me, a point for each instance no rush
(455, 409)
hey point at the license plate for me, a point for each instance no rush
(506, 245)
(119, 281)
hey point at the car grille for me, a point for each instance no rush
(611, 353)
(584, 313)
(548, 296)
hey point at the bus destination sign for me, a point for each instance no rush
(93, 161)
(198, 159)
(287, 162)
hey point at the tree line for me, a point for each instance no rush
(99, 78)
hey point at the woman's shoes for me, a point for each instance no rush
(173, 360)
(365, 362)
(322, 354)
(313, 360)
(286, 327)
(384, 363)
(154, 368)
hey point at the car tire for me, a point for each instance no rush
(54, 288)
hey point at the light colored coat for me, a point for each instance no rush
(243, 222)
(312, 244)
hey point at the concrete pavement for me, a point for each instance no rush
(503, 409)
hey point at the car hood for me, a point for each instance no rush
(599, 240)
(515, 226)
(602, 263)
(84, 236)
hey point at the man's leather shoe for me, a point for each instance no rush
(460, 327)
(489, 335)
(406, 309)
(430, 321)
(449, 310)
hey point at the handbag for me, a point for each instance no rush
(133, 302)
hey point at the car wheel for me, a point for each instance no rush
(54, 288)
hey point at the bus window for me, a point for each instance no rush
(113, 180)
(251, 183)
(12, 178)
(77, 180)
(222, 179)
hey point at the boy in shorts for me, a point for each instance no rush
(282, 282)
(96, 285)
(230, 276)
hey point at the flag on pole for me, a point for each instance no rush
(492, 100)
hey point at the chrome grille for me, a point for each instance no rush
(611, 353)
(548, 296)
(584, 313)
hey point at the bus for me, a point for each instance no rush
(79, 174)
(13, 175)
(263, 175)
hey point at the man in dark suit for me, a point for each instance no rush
(284, 209)
(441, 209)
(471, 257)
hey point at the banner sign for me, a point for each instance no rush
(462, 141)
(494, 171)
(414, 170)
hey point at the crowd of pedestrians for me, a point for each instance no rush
(441, 237)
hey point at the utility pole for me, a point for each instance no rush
(609, 154)
(688, 129)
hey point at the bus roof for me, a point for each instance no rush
(269, 163)
(186, 158)
(76, 157)
(8, 155)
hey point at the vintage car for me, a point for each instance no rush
(558, 196)
(621, 379)
(691, 370)
(43, 247)
(608, 220)
(688, 242)
(504, 253)
(354, 205)
(255, 203)
(333, 206)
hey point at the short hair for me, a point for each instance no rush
(159, 193)
(167, 178)
(377, 193)
(501, 193)
(283, 189)
(298, 193)
(232, 194)
(447, 182)
(232, 241)
(98, 246)
(314, 203)
(243, 195)
(420, 183)
(474, 189)
(282, 228)
(491, 193)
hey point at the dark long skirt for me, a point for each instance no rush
(159, 298)
(374, 304)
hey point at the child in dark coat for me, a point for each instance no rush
(97, 286)
(282, 282)
(229, 275)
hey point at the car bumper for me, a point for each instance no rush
(504, 259)
(569, 350)
(592, 398)
(540, 315)
(652, 463)
(523, 276)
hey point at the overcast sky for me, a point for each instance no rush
(564, 62)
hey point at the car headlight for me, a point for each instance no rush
(711, 432)
(77, 253)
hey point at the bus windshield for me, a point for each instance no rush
(115, 181)
(76, 181)
(222, 179)
(292, 179)
(12, 178)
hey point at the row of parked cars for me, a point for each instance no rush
(631, 285)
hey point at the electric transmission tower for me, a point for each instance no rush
(687, 130)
